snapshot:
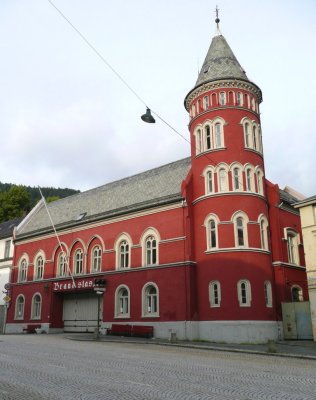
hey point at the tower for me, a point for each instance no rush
(229, 204)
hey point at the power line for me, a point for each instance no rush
(119, 76)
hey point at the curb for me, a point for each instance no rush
(196, 347)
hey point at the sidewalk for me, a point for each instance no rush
(293, 348)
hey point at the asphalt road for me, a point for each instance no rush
(53, 367)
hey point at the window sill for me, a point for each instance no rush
(151, 316)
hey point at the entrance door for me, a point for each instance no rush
(80, 312)
(297, 324)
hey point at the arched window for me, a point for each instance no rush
(218, 135)
(259, 176)
(198, 142)
(198, 106)
(215, 294)
(150, 247)
(222, 98)
(240, 231)
(223, 180)
(36, 306)
(239, 99)
(150, 300)
(209, 182)
(151, 250)
(268, 293)
(264, 232)
(208, 141)
(240, 220)
(96, 259)
(249, 179)
(212, 229)
(193, 110)
(244, 293)
(297, 293)
(123, 254)
(254, 138)
(39, 268)
(23, 271)
(19, 307)
(247, 135)
(292, 238)
(260, 147)
(237, 178)
(206, 102)
(78, 262)
(122, 302)
(62, 264)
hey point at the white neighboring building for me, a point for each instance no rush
(6, 257)
(307, 209)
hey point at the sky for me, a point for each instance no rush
(67, 120)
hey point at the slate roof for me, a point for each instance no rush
(220, 63)
(6, 228)
(287, 197)
(151, 188)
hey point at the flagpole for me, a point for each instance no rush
(56, 234)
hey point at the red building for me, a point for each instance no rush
(205, 247)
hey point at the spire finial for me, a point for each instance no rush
(217, 20)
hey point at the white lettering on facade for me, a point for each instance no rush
(80, 284)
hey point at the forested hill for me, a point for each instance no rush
(18, 200)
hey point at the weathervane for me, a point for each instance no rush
(217, 20)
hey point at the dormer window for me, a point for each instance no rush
(80, 216)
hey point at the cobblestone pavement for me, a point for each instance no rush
(52, 367)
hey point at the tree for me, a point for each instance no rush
(14, 203)
(52, 198)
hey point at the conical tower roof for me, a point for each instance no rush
(220, 63)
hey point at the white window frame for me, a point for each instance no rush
(96, 258)
(239, 99)
(293, 241)
(209, 179)
(36, 308)
(39, 268)
(198, 141)
(222, 178)
(151, 250)
(236, 219)
(268, 294)
(222, 98)
(259, 178)
(19, 307)
(78, 262)
(211, 232)
(244, 293)
(122, 302)
(215, 296)
(263, 226)
(150, 301)
(249, 177)
(218, 135)
(62, 264)
(23, 269)
(149, 236)
(208, 142)
(124, 254)
(237, 178)
(7, 248)
(206, 102)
